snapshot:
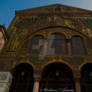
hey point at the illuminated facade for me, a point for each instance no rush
(49, 49)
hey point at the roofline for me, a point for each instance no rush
(18, 11)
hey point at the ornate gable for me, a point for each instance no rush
(29, 21)
(53, 9)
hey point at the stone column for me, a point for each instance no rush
(69, 47)
(44, 52)
(5, 81)
(77, 78)
(36, 84)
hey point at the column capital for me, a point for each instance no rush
(37, 77)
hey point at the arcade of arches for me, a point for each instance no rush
(55, 76)
(56, 44)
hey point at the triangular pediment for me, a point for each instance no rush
(54, 8)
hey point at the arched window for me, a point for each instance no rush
(36, 45)
(77, 46)
(56, 44)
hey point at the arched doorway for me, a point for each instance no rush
(86, 78)
(22, 79)
(57, 76)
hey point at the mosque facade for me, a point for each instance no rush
(47, 49)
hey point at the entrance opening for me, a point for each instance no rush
(57, 76)
(22, 79)
(86, 78)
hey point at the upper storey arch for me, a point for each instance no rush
(30, 21)
(19, 36)
(56, 40)
(47, 31)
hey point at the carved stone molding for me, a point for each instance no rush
(37, 74)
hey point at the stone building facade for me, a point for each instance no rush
(48, 49)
